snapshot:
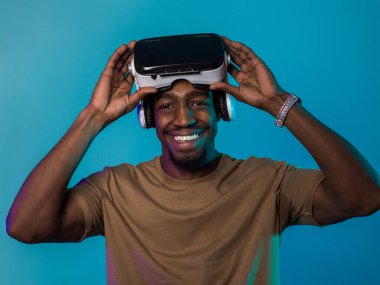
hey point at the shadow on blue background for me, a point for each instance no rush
(52, 52)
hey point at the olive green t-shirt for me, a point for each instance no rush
(223, 228)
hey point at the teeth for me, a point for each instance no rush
(186, 138)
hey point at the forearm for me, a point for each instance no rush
(350, 180)
(350, 188)
(38, 203)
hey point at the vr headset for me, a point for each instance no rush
(200, 59)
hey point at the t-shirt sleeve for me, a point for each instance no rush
(89, 194)
(295, 193)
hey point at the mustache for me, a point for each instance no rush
(192, 128)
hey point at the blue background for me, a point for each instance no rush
(52, 52)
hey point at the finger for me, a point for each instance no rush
(233, 70)
(239, 47)
(117, 57)
(131, 44)
(123, 96)
(140, 94)
(129, 78)
(236, 57)
(126, 63)
(244, 56)
(127, 53)
(246, 62)
(226, 40)
(122, 64)
(114, 59)
(228, 88)
(228, 43)
(127, 58)
(122, 60)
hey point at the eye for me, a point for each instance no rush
(166, 107)
(197, 103)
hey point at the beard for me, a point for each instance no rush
(191, 160)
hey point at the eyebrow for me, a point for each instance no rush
(193, 93)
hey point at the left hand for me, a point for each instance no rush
(257, 85)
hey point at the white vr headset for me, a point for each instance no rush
(200, 59)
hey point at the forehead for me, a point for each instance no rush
(182, 91)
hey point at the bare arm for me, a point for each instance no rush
(42, 210)
(350, 188)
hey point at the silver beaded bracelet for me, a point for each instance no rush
(289, 102)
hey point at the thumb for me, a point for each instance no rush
(140, 94)
(228, 88)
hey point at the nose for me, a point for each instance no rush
(184, 116)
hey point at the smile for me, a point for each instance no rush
(186, 138)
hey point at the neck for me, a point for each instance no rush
(190, 173)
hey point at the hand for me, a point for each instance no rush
(257, 86)
(111, 96)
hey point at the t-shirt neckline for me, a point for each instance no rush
(172, 180)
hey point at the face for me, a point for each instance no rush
(186, 125)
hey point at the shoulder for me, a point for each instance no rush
(252, 168)
(124, 168)
(128, 171)
(252, 162)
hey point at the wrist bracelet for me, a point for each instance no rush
(289, 102)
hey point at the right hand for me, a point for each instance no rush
(111, 97)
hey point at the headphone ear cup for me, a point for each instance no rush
(148, 112)
(145, 113)
(141, 114)
(215, 100)
(222, 104)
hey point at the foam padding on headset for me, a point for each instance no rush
(148, 106)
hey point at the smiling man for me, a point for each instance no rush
(186, 124)
(191, 215)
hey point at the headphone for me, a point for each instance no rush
(223, 104)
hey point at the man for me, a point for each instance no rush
(192, 215)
